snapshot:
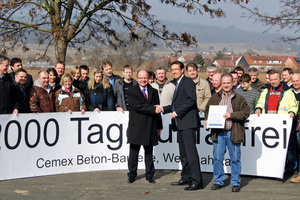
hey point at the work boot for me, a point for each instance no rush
(295, 179)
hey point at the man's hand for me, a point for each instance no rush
(227, 115)
(173, 115)
(16, 112)
(292, 115)
(70, 111)
(120, 109)
(97, 110)
(257, 111)
(206, 124)
(158, 109)
(159, 132)
(82, 111)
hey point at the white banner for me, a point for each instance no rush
(55, 143)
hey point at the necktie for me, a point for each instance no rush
(175, 91)
(144, 92)
(173, 109)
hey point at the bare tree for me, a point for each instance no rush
(288, 18)
(67, 23)
(133, 52)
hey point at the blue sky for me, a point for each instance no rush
(233, 15)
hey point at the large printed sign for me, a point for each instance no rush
(55, 143)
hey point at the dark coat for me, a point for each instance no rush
(185, 105)
(7, 95)
(258, 85)
(143, 121)
(241, 112)
(22, 96)
(22, 99)
(55, 87)
(101, 98)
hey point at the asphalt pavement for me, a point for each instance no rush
(113, 185)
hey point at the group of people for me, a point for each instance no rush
(54, 90)
(184, 97)
(146, 99)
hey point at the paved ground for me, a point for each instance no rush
(113, 185)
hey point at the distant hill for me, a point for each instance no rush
(232, 38)
(214, 34)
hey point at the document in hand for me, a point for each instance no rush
(216, 116)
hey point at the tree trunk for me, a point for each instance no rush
(60, 48)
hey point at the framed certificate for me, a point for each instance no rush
(216, 116)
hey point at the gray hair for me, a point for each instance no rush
(253, 69)
(212, 67)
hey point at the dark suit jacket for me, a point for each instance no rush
(143, 121)
(7, 95)
(185, 105)
(22, 98)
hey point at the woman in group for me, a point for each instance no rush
(151, 77)
(75, 73)
(69, 98)
(53, 79)
(100, 93)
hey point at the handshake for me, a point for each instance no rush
(158, 109)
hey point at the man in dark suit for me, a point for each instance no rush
(185, 118)
(144, 126)
(15, 64)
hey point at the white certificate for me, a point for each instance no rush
(216, 116)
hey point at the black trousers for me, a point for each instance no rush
(133, 160)
(189, 158)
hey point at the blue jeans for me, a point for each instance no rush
(223, 139)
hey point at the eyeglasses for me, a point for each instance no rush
(143, 78)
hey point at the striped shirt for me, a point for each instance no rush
(226, 101)
(251, 97)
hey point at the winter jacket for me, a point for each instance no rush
(241, 112)
(64, 101)
(101, 98)
(119, 93)
(258, 85)
(287, 101)
(41, 100)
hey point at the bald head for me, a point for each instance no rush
(216, 80)
(216, 77)
(296, 81)
(142, 78)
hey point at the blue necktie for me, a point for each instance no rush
(173, 109)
